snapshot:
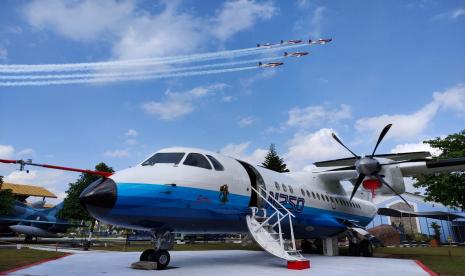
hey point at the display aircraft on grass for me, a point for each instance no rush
(34, 221)
(191, 190)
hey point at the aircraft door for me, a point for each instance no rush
(256, 180)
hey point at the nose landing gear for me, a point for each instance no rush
(163, 241)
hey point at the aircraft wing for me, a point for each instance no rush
(407, 168)
(432, 166)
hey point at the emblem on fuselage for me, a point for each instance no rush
(224, 192)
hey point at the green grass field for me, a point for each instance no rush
(436, 258)
(11, 257)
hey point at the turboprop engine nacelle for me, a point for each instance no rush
(393, 176)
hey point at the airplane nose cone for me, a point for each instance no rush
(99, 197)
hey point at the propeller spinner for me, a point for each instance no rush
(368, 166)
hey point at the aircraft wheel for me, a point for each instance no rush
(147, 256)
(366, 248)
(354, 249)
(28, 239)
(161, 257)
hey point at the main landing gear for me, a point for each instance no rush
(163, 241)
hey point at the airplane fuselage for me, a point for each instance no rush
(193, 199)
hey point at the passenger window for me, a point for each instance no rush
(164, 157)
(284, 188)
(216, 164)
(318, 195)
(323, 197)
(277, 185)
(332, 200)
(291, 190)
(302, 191)
(313, 194)
(327, 198)
(308, 194)
(197, 160)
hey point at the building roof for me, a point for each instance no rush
(28, 190)
(402, 213)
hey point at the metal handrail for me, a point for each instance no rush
(266, 200)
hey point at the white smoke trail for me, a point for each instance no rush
(124, 78)
(17, 68)
(133, 73)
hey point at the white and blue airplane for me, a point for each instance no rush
(190, 190)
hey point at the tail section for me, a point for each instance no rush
(54, 210)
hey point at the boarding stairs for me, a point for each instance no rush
(267, 229)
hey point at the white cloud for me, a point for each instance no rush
(239, 151)
(137, 33)
(168, 33)
(311, 25)
(226, 99)
(6, 151)
(411, 125)
(264, 75)
(420, 146)
(239, 15)
(80, 20)
(131, 133)
(305, 148)
(317, 115)
(404, 125)
(452, 15)
(118, 153)
(247, 121)
(54, 180)
(3, 53)
(452, 99)
(179, 104)
(26, 152)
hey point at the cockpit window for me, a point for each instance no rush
(216, 164)
(164, 157)
(197, 160)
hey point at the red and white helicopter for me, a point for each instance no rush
(270, 64)
(190, 190)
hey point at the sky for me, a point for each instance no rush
(399, 62)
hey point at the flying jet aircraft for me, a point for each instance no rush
(320, 41)
(266, 45)
(34, 220)
(295, 41)
(190, 190)
(295, 54)
(270, 64)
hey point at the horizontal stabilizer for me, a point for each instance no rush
(393, 156)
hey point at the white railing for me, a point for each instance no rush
(280, 215)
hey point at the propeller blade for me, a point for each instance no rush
(342, 144)
(357, 184)
(390, 188)
(381, 136)
(349, 168)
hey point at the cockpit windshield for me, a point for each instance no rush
(164, 157)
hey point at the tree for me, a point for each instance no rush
(274, 162)
(436, 230)
(72, 209)
(6, 199)
(446, 188)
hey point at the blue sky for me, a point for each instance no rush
(390, 61)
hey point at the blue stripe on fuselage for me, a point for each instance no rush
(188, 209)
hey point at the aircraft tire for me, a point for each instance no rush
(366, 248)
(147, 256)
(162, 258)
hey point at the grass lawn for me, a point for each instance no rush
(11, 257)
(436, 258)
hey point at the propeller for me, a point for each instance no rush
(368, 166)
